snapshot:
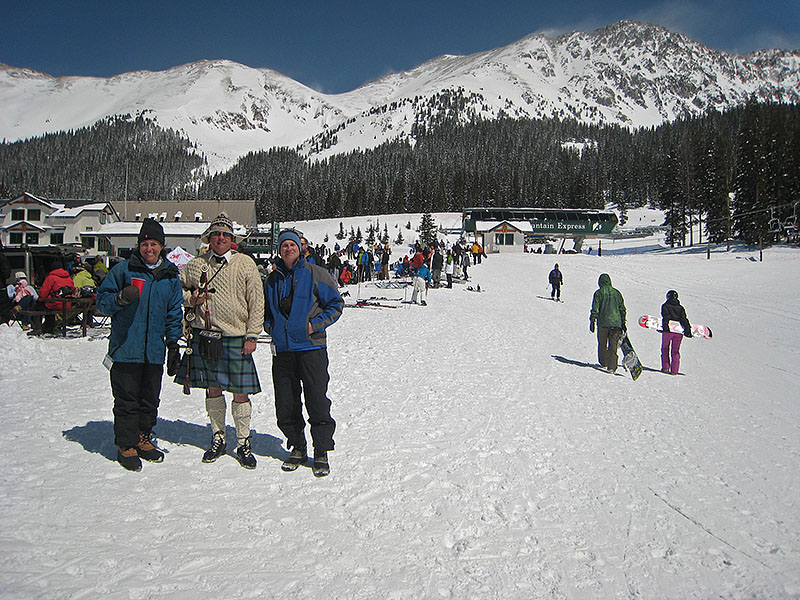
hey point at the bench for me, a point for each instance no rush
(84, 306)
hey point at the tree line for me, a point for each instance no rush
(734, 172)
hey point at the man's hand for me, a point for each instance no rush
(310, 328)
(249, 347)
(591, 326)
(198, 299)
(173, 359)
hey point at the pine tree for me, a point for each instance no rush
(427, 230)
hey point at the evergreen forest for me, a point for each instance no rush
(738, 172)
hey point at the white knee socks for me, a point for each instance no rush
(241, 412)
(216, 408)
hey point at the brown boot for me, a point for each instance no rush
(129, 458)
(147, 450)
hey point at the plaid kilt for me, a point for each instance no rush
(233, 372)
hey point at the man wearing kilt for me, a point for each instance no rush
(225, 298)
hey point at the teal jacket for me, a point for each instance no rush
(608, 307)
(141, 330)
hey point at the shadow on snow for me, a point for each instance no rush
(98, 437)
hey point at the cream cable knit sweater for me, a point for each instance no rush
(237, 306)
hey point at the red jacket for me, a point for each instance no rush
(54, 281)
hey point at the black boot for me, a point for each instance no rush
(321, 467)
(129, 458)
(217, 449)
(147, 450)
(297, 457)
(245, 455)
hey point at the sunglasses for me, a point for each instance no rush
(221, 233)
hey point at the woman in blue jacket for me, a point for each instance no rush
(301, 302)
(143, 296)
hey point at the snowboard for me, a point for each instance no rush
(653, 322)
(629, 359)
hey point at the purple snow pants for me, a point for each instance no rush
(671, 352)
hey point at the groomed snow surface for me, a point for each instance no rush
(480, 453)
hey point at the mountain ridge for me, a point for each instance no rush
(628, 73)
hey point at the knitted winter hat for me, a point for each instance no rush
(288, 235)
(223, 223)
(152, 230)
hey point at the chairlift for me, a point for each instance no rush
(775, 226)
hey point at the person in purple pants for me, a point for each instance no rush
(672, 310)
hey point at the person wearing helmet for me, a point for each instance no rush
(672, 310)
(608, 312)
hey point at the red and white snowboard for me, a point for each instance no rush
(652, 322)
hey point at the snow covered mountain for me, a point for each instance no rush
(629, 73)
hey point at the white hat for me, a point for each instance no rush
(20, 275)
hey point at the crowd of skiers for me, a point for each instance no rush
(436, 264)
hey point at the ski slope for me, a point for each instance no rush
(480, 453)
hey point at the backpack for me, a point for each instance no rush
(65, 291)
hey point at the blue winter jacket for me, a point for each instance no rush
(424, 272)
(141, 330)
(315, 300)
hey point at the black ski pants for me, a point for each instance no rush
(136, 388)
(293, 372)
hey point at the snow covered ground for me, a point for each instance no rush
(480, 453)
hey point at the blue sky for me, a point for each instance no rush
(336, 46)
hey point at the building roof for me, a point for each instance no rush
(24, 226)
(240, 211)
(74, 211)
(132, 228)
(523, 226)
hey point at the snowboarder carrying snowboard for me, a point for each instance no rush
(556, 279)
(672, 310)
(608, 311)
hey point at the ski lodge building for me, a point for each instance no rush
(509, 229)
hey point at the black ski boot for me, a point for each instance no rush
(129, 458)
(321, 467)
(297, 457)
(245, 455)
(147, 450)
(217, 449)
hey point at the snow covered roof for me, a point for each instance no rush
(523, 226)
(132, 228)
(24, 226)
(171, 229)
(71, 213)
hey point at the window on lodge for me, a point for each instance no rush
(17, 214)
(57, 238)
(503, 239)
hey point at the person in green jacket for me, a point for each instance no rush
(608, 312)
(81, 277)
